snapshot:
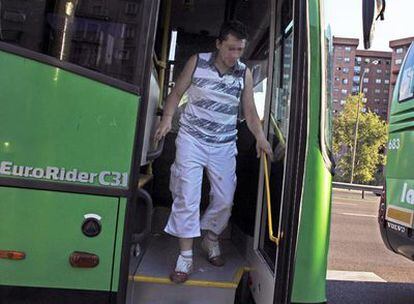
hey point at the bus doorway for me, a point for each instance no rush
(262, 206)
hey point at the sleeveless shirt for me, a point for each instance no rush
(212, 108)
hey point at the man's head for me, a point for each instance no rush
(231, 42)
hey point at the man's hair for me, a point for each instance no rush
(234, 27)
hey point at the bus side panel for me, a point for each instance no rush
(47, 227)
(400, 183)
(313, 239)
(53, 119)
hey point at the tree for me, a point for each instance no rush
(372, 137)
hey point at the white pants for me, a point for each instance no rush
(185, 185)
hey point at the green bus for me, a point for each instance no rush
(396, 211)
(83, 189)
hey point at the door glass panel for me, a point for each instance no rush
(278, 126)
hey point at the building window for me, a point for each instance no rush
(345, 70)
(336, 78)
(348, 48)
(387, 62)
(366, 70)
(377, 91)
(364, 100)
(344, 81)
(366, 60)
(399, 50)
(344, 92)
(365, 90)
(339, 47)
(364, 110)
(356, 78)
(131, 8)
(366, 80)
(378, 80)
(376, 110)
(358, 59)
(385, 91)
(336, 90)
(357, 69)
(343, 102)
(398, 61)
(376, 99)
(386, 81)
(335, 100)
(347, 59)
(339, 58)
(379, 71)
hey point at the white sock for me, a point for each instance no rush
(188, 254)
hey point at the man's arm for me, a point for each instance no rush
(252, 119)
(173, 99)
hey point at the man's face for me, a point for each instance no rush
(230, 49)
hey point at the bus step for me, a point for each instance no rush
(207, 284)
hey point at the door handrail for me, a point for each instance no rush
(269, 209)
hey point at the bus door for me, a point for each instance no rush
(271, 258)
(276, 55)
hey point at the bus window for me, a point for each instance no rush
(259, 97)
(278, 127)
(101, 37)
(406, 90)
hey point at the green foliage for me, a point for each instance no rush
(372, 136)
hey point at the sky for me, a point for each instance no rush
(345, 19)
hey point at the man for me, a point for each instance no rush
(215, 84)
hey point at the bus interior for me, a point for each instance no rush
(192, 27)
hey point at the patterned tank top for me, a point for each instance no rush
(213, 102)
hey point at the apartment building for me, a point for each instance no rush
(359, 70)
(372, 71)
(343, 70)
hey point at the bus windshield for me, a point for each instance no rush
(101, 36)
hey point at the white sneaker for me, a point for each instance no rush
(184, 264)
(213, 251)
(211, 247)
(182, 270)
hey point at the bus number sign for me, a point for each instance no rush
(394, 144)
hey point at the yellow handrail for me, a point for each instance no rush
(269, 209)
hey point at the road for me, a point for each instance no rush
(360, 268)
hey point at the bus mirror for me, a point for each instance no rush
(372, 10)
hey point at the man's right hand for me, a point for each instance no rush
(163, 128)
